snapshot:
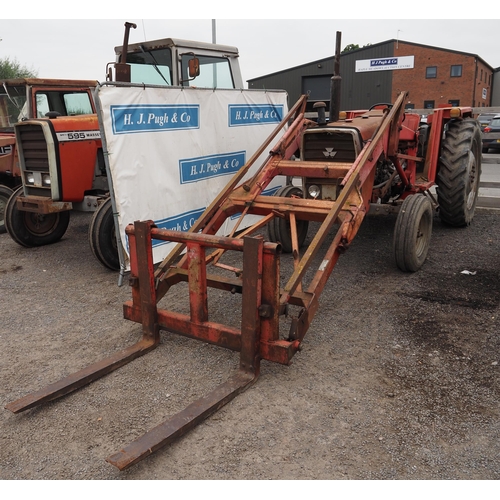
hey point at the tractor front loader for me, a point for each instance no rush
(381, 159)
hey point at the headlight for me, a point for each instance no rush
(30, 178)
(314, 191)
(46, 179)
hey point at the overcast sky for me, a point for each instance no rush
(81, 48)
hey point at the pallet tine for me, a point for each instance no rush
(149, 341)
(81, 378)
(248, 372)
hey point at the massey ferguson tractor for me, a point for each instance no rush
(380, 159)
(60, 154)
(24, 99)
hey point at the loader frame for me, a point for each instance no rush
(264, 302)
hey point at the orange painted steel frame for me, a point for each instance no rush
(263, 301)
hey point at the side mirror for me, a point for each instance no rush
(194, 67)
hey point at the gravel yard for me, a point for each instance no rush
(398, 377)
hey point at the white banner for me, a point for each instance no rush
(385, 64)
(170, 151)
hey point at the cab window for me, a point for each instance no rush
(78, 104)
(13, 106)
(151, 67)
(215, 72)
(64, 103)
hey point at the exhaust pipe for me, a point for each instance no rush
(335, 84)
(122, 69)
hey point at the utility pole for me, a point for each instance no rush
(214, 40)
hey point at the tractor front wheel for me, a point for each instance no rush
(5, 194)
(459, 172)
(279, 229)
(412, 233)
(30, 229)
(102, 236)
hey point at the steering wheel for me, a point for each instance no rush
(53, 114)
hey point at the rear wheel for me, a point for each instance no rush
(412, 233)
(102, 236)
(279, 229)
(459, 172)
(5, 194)
(31, 229)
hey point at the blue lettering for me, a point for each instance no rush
(154, 118)
(197, 169)
(254, 114)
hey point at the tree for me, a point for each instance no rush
(11, 68)
(350, 47)
(353, 46)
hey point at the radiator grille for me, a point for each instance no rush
(329, 146)
(34, 148)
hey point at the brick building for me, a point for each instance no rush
(377, 73)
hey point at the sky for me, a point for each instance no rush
(55, 44)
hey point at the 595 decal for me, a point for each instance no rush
(78, 136)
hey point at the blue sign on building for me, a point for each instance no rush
(390, 61)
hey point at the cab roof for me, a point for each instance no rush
(177, 42)
(48, 82)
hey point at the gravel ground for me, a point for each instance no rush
(398, 377)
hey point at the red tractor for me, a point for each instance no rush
(23, 99)
(380, 159)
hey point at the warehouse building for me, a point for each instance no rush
(377, 73)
